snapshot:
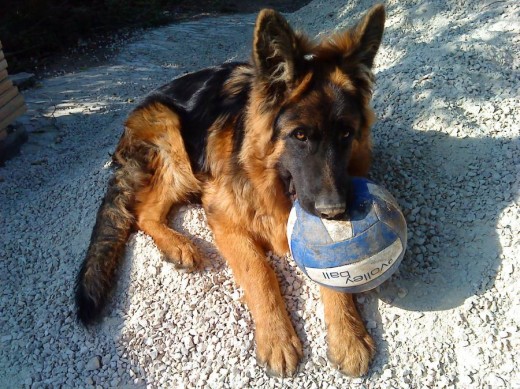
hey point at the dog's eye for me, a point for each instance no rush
(300, 135)
(345, 136)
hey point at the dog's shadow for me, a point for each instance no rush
(453, 192)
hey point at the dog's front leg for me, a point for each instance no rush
(277, 344)
(350, 346)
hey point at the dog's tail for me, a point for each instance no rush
(97, 276)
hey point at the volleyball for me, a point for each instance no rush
(358, 252)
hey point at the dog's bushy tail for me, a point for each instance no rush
(97, 276)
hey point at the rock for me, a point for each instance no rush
(152, 270)
(23, 80)
(93, 364)
(6, 338)
(495, 381)
(402, 292)
(387, 374)
(465, 380)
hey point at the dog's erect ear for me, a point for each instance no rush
(357, 45)
(276, 50)
(368, 34)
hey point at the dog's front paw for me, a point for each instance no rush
(278, 349)
(184, 255)
(350, 352)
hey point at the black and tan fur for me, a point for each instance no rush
(245, 139)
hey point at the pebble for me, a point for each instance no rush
(508, 367)
(509, 268)
(93, 364)
(387, 374)
(402, 292)
(321, 361)
(6, 338)
(152, 270)
(465, 380)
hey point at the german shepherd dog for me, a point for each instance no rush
(246, 139)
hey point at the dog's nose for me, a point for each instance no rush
(330, 211)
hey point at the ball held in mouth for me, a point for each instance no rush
(356, 253)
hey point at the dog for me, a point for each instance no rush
(246, 139)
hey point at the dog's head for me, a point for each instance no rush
(319, 95)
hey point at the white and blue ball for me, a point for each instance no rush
(352, 255)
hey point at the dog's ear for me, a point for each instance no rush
(367, 35)
(357, 45)
(277, 51)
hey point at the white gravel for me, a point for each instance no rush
(447, 145)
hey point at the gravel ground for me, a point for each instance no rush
(447, 145)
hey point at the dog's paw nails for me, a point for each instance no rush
(279, 353)
(350, 354)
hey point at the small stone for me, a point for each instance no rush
(465, 380)
(509, 268)
(152, 270)
(495, 381)
(6, 338)
(371, 324)
(320, 361)
(402, 292)
(188, 342)
(387, 374)
(508, 367)
(223, 372)
(106, 359)
(93, 364)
